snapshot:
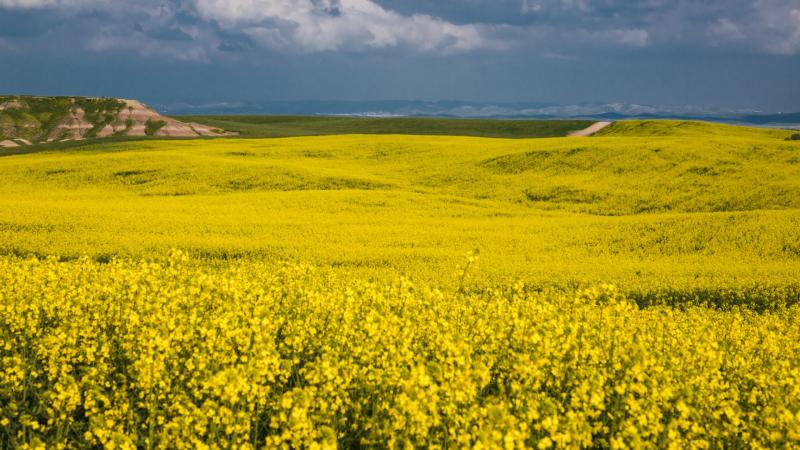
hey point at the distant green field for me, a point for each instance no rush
(285, 126)
(290, 126)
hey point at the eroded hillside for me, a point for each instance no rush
(30, 120)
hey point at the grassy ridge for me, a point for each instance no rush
(285, 126)
(688, 129)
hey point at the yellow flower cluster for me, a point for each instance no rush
(175, 354)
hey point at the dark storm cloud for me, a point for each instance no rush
(233, 42)
(437, 26)
(768, 26)
(419, 48)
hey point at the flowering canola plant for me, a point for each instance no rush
(172, 353)
(696, 344)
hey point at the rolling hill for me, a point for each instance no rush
(638, 202)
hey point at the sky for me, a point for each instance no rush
(725, 54)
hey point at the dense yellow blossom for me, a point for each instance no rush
(392, 339)
(173, 353)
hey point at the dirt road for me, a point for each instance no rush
(591, 130)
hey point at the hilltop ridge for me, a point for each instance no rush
(27, 120)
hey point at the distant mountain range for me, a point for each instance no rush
(461, 109)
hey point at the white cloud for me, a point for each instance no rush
(634, 37)
(725, 30)
(330, 25)
(531, 7)
(782, 32)
(772, 26)
(110, 41)
(40, 4)
(568, 6)
(27, 3)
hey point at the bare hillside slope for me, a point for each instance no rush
(26, 120)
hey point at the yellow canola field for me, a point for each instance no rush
(637, 289)
(651, 206)
(167, 354)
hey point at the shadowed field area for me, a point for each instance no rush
(285, 126)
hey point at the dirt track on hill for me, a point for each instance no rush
(591, 130)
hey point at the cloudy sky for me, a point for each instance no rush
(709, 53)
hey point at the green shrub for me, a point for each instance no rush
(152, 126)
